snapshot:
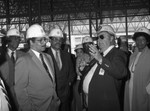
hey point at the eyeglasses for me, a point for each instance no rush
(42, 40)
(101, 37)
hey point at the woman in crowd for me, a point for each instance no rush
(77, 95)
(137, 90)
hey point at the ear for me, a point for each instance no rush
(112, 38)
(31, 42)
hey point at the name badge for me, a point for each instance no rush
(102, 71)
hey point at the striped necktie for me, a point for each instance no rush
(45, 66)
(58, 60)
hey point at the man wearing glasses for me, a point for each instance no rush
(35, 75)
(104, 87)
(9, 55)
(65, 73)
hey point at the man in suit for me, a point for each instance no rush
(35, 75)
(8, 55)
(65, 73)
(104, 84)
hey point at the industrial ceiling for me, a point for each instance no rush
(23, 13)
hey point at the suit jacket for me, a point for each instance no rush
(7, 70)
(34, 88)
(7, 67)
(105, 85)
(64, 76)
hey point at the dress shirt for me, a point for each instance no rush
(54, 53)
(38, 56)
(9, 51)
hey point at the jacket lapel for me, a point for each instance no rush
(50, 65)
(109, 53)
(37, 61)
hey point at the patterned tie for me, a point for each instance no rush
(45, 66)
(58, 60)
(12, 57)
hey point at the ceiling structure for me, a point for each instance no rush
(75, 16)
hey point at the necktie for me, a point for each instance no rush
(45, 66)
(12, 57)
(58, 60)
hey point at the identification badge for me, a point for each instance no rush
(102, 71)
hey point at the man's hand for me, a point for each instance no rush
(95, 53)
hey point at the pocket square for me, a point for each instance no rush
(101, 71)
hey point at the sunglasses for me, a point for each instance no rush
(101, 37)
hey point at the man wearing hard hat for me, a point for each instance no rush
(65, 73)
(104, 84)
(9, 55)
(4, 103)
(35, 75)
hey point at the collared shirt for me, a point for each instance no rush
(38, 56)
(9, 51)
(106, 51)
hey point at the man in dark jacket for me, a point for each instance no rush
(64, 70)
(104, 84)
(8, 56)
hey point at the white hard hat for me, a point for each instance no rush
(142, 31)
(56, 33)
(35, 31)
(1, 35)
(87, 39)
(79, 46)
(106, 28)
(13, 32)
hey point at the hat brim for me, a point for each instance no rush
(77, 49)
(137, 34)
(56, 36)
(107, 32)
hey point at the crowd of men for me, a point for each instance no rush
(101, 77)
